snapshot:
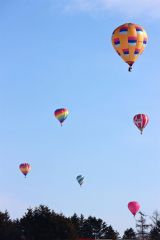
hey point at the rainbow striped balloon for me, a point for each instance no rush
(25, 168)
(61, 114)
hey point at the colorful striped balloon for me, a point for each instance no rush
(129, 41)
(141, 120)
(25, 168)
(61, 114)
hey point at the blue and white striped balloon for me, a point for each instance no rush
(80, 179)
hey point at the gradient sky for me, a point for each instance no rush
(59, 54)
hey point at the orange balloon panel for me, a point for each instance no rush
(129, 41)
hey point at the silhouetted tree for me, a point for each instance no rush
(42, 223)
(129, 234)
(155, 218)
(93, 228)
(155, 231)
(110, 233)
(142, 227)
(8, 228)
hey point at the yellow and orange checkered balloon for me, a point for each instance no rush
(129, 41)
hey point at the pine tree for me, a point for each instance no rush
(129, 234)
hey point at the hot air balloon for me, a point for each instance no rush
(133, 207)
(61, 114)
(80, 179)
(129, 41)
(25, 168)
(140, 120)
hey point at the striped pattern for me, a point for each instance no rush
(125, 51)
(123, 30)
(80, 179)
(116, 42)
(144, 42)
(25, 168)
(141, 120)
(132, 40)
(136, 52)
(61, 114)
(139, 30)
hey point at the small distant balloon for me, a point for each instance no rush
(141, 120)
(25, 168)
(129, 41)
(80, 179)
(133, 207)
(61, 114)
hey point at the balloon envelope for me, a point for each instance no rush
(61, 114)
(129, 41)
(80, 179)
(141, 120)
(25, 168)
(133, 207)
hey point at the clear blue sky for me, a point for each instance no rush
(59, 54)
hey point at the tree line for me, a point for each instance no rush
(42, 223)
